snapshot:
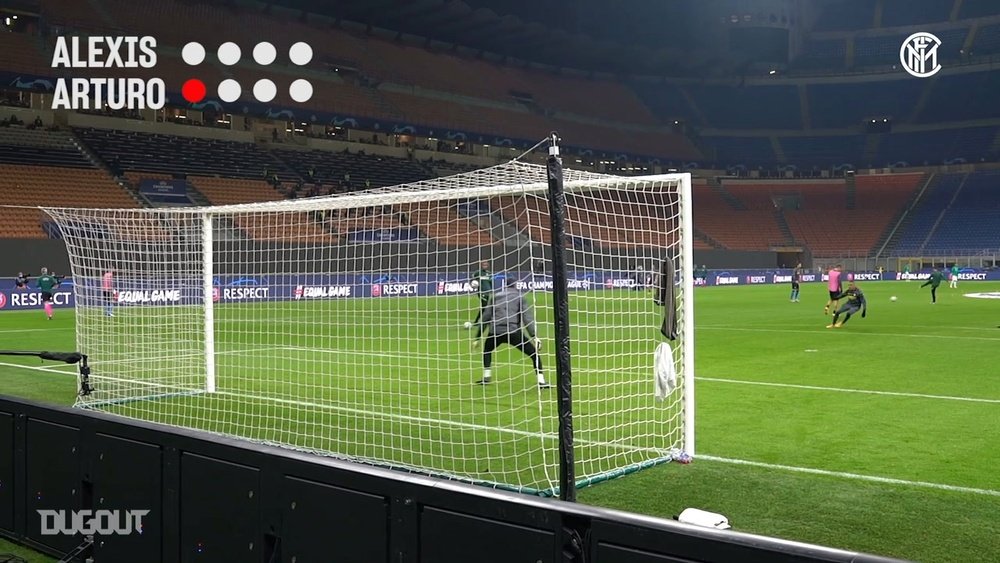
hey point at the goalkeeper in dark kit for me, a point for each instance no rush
(855, 302)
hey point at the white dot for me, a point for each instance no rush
(264, 90)
(300, 90)
(193, 53)
(300, 53)
(264, 53)
(229, 90)
(229, 53)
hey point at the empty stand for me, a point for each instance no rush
(830, 229)
(22, 53)
(749, 107)
(281, 226)
(922, 219)
(182, 155)
(971, 220)
(736, 229)
(351, 170)
(442, 222)
(823, 53)
(742, 150)
(36, 146)
(978, 8)
(846, 15)
(962, 97)
(834, 106)
(52, 186)
(824, 151)
(987, 40)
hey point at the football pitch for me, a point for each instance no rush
(882, 436)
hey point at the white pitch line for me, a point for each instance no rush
(554, 436)
(46, 369)
(854, 476)
(904, 335)
(53, 329)
(845, 390)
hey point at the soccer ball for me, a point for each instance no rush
(467, 325)
(893, 298)
(474, 284)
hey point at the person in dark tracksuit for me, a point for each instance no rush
(508, 317)
(934, 281)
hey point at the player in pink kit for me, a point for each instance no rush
(108, 286)
(833, 285)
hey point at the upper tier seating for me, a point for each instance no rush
(52, 186)
(35, 146)
(330, 168)
(183, 155)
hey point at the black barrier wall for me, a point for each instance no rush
(211, 499)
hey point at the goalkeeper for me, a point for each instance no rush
(855, 302)
(507, 318)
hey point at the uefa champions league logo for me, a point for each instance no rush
(919, 54)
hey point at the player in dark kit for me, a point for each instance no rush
(484, 277)
(796, 278)
(21, 281)
(47, 283)
(934, 281)
(855, 302)
(508, 317)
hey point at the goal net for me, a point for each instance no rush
(346, 325)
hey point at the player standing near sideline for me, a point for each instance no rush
(855, 302)
(934, 281)
(507, 317)
(47, 283)
(834, 286)
(796, 277)
(108, 288)
(485, 278)
(954, 277)
(21, 281)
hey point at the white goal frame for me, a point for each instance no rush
(431, 191)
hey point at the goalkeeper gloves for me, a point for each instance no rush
(537, 342)
(475, 344)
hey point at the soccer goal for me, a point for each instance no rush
(346, 325)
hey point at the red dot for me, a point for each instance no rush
(193, 90)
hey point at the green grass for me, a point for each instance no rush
(927, 414)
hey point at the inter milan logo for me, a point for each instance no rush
(919, 54)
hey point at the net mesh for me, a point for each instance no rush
(345, 325)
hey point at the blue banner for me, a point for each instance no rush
(237, 289)
(167, 191)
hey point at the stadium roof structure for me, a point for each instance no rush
(626, 37)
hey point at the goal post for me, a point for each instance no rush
(349, 325)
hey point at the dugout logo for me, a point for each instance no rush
(99, 52)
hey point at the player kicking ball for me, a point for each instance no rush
(507, 318)
(855, 302)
